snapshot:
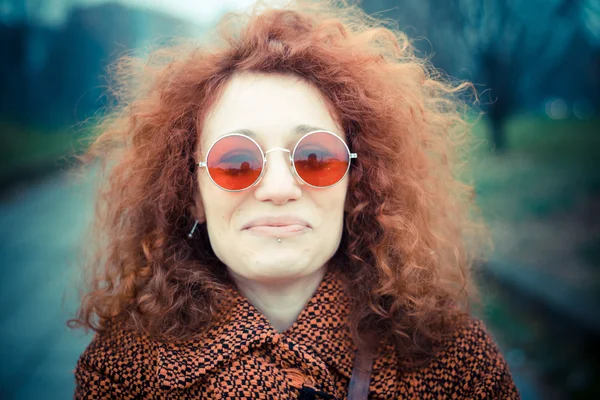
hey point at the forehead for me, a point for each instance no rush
(272, 108)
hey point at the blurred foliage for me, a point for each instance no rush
(551, 165)
(518, 53)
(24, 147)
(540, 200)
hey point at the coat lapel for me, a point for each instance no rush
(181, 364)
(320, 330)
(322, 326)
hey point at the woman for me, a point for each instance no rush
(282, 220)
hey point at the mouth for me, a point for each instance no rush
(277, 227)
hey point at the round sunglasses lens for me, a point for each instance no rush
(234, 162)
(321, 159)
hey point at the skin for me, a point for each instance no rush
(278, 278)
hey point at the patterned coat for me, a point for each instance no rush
(246, 358)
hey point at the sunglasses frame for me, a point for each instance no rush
(203, 164)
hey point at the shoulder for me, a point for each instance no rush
(117, 361)
(472, 342)
(471, 361)
(467, 365)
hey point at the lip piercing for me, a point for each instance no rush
(278, 240)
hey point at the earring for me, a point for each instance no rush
(193, 229)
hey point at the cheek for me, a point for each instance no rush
(214, 200)
(332, 203)
(220, 207)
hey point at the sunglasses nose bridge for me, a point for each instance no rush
(289, 156)
(280, 149)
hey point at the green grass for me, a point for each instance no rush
(547, 139)
(27, 147)
(549, 166)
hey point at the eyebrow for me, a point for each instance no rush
(298, 130)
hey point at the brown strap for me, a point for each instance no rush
(361, 377)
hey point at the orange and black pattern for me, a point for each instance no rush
(246, 358)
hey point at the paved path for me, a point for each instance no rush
(40, 227)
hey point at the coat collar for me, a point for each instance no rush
(321, 329)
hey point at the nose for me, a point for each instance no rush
(278, 184)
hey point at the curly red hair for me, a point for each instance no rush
(411, 237)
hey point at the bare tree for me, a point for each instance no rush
(512, 48)
(515, 47)
(590, 21)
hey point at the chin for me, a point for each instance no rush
(279, 270)
(276, 268)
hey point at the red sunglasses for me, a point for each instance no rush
(236, 162)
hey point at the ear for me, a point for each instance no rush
(197, 210)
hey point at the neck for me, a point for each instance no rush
(282, 300)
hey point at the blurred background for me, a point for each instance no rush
(536, 66)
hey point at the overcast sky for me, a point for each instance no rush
(54, 12)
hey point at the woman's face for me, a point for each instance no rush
(278, 110)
